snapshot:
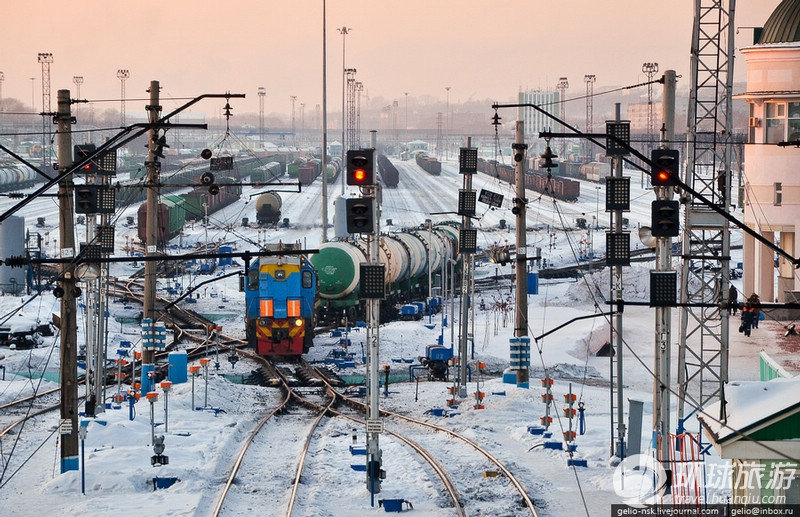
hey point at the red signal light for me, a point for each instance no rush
(359, 175)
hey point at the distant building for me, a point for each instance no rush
(637, 114)
(771, 189)
(536, 121)
(418, 145)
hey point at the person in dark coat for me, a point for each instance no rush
(747, 319)
(755, 305)
(733, 300)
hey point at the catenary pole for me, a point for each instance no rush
(69, 330)
(151, 224)
(521, 298)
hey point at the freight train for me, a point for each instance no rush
(134, 190)
(332, 169)
(175, 210)
(429, 163)
(406, 273)
(554, 186)
(390, 177)
(281, 294)
(16, 176)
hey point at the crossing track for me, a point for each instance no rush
(322, 409)
(525, 500)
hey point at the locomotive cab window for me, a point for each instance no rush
(307, 280)
(252, 279)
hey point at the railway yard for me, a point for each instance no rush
(246, 435)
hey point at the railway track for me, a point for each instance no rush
(334, 416)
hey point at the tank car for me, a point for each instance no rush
(268, 208)
(406, 274)
(281, 296)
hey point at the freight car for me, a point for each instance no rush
(308, 172)
(281, 295)
(199, 201)
(171, 218)
(267, 173)
(558, 187)
(389, 174)
(175, 210)
(406, 272)
(595, 171)
(268, 208)
(429, 163)
(293, 168)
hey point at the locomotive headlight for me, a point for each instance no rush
(263, 322)
(298, 322)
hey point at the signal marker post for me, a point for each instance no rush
(664, 175)
(363, 217)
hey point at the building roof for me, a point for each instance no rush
(783, 25)
(752, 406)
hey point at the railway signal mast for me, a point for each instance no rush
(363, 217)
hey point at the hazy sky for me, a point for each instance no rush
(482, 49)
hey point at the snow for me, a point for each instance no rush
(202, 445)
(753, 402)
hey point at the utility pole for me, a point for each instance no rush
(325, 123)
(467, 244)
(521, 264)
(619, 449)
(151, 240)
(663, 325)
(69, 328)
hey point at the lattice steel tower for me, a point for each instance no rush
(359, 89)
(651, 69)
(703, 346)
(123, 76)
(562, 87)
(262, 92)
(46, 59)
(352, 137)
(293, 98)
(589, 79)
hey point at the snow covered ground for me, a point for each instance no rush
(202, 445)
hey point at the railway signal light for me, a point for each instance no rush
(665, 215)
(360, 215)
(81, 152)
(665, 167)
(85, 199)
(360, 170)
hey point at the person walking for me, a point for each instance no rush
(733, 300)
(747, 319)
(755, 305)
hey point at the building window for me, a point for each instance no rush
(778, 194)
(794, 122)
(776, 122)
